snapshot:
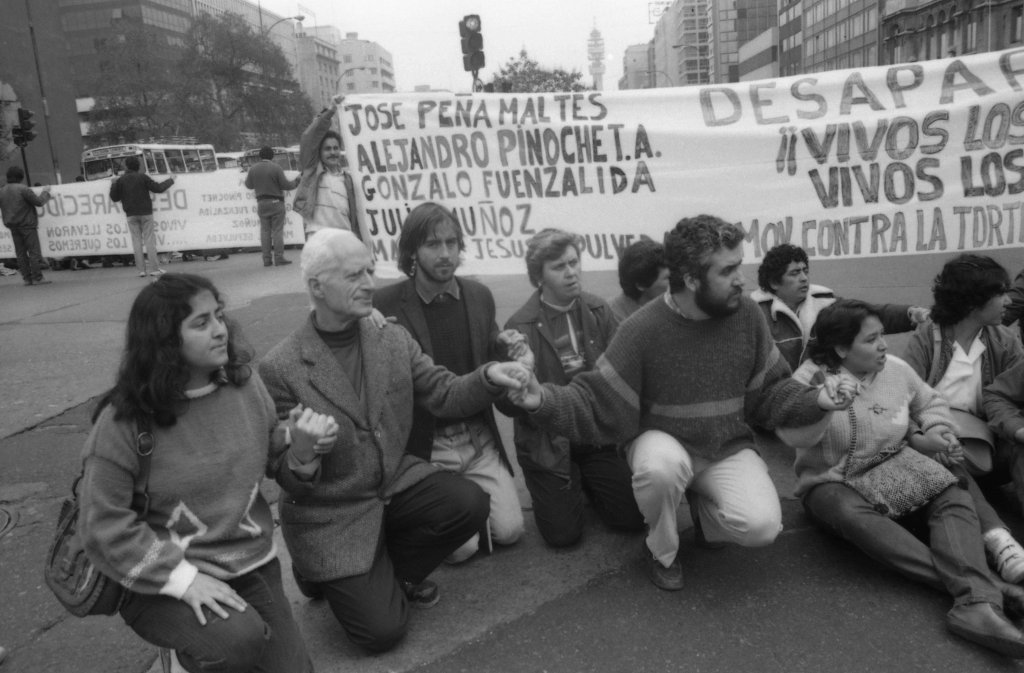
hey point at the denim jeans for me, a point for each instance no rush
(143, 231)
(954, 559)
(272, 216)
(264, 638)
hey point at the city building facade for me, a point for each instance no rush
(366, 67)
(918, 30)
(732, 23)
(319, 69)
(839, 34)
(33, 75)
(635, 67)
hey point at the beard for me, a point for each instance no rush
(713, 306)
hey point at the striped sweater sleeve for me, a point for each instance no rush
(773, 397)
(600, 406)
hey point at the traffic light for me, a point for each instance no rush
(472, 43)
(22, 134)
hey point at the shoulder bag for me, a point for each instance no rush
(897, 480)
(76, 582)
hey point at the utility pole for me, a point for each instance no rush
(42, 94)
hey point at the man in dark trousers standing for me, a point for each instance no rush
(267, 179)
(132, 189)
(452, 319)
(18, 205)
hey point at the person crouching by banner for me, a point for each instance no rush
(681, 381)
(452, 319)
(326, 197)
(567, 330)
(368, 524)
(643, 276)
(198, 560)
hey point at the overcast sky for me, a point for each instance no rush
(423, 36)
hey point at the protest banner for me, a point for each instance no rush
(201, 211)
(907, 159)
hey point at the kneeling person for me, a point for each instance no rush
(366, 523)
(452, 319)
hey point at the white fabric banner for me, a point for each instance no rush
(908, 159)
(201, 211)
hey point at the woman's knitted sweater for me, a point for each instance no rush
(206, 513)
(881, 413)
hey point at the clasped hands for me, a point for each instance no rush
(312, 433)
(940, 443)
(838, 392)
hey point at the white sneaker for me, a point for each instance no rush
(1006, 554)
(142, 274)
(158, 272)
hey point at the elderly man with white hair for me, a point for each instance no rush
(365, 522)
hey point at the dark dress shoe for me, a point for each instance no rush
(985, 624)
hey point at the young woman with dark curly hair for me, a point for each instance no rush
(198, 560)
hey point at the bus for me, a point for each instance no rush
(285, 157)
(229, 160)
(105, 162)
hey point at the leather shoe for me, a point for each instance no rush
(667, 579)
(985, 624)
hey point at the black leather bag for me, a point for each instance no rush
(75, 580)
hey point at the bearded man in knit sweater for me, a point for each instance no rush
(683, 381)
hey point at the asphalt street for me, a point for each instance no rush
(806, 603)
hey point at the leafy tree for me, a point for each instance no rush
(238, 82)
(135, 90)
(524, 75)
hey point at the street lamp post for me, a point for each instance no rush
(265, 33)
(659, 72)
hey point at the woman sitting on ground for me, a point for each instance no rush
(833, 453)
(198, 560)
(960, 351)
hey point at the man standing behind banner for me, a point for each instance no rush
(18, 205)
(132, 189)
(267, 179)
(683, 379)
(326, 197)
